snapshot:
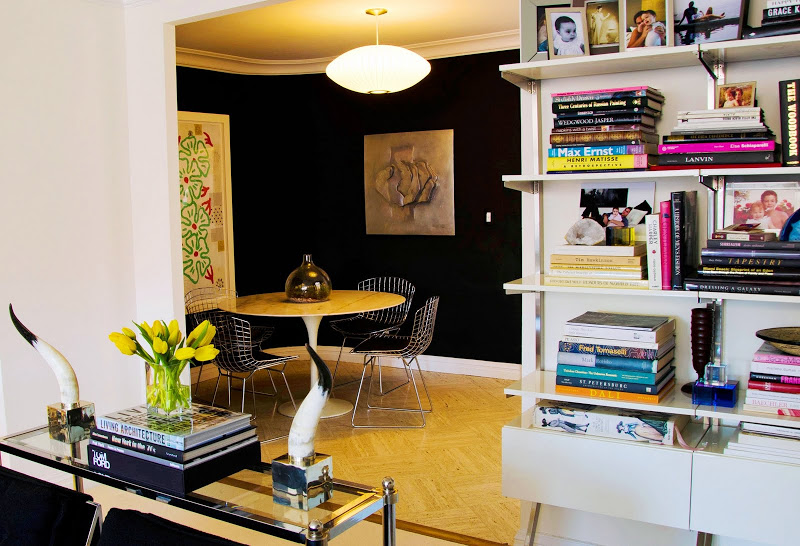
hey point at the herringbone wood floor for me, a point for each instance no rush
(448, 474)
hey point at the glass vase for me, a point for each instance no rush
(308, 283)
(166, 394)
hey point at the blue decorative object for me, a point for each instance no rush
(791, 229)
(715, 395)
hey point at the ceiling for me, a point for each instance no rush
(303, 36)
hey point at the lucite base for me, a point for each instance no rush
(70, 425)
(715, 395)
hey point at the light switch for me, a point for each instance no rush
(488, 217)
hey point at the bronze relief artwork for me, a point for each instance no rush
(409, 183)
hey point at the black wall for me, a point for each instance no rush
(297, 158)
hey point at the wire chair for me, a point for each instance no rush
(238, 355)
(407, 349)
(372, 323)
(208, 298)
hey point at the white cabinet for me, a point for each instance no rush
(702, 490)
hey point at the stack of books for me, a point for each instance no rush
(617, 356)
(748, 262)
(604, 130)
(617, 423)
(598, 266)
(766, 442)
(173, 454)
(721, 137)
(774, 383)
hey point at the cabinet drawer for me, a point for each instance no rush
(644, 482)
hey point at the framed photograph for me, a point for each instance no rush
(730, 95)
(766, 204)
(647, 24)
(698, 22)
(602, 18)
(619, 204)
(533, 28)
(566, 32)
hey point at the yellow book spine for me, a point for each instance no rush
(596, 260)
(617, 395)
(602, 273)
(598, 267)
(584, 282)
(598, 162)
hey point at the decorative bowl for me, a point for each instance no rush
(787, 339)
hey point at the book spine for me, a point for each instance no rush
(777, 387)
(617, 386)
(772, 395)
(665, 236)
(677, 233)
(550, 280)
(619, 343)
(772, 403)
(596, 360)
(774, 358)
(134, 469)
(771, 429)
(790, 138)
(599, 268)
(779, 3)
(610, 90)
(621, 425)
(780, 12)
(610, 333)
(600, 105)
(715, 137)
(137, 454)
(615, 119)
(766, 236)
(776, 368)
(633, 353)
(765, 245)
(140, 433)
(594, 163)
(147, 448)
(636, 249)
(717, 158)
(760, 272)
(740, 261)
(598, 273)
(773, 411)
(752, 253)
(652, 226)
(606, 374)
(624, 127)
(576, 114)
(714, 147)
(582, 151)
(595, 259)
(598, 136)
(614, 395)
(714, 285)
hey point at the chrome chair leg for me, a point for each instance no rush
(199, 375)
(424, 386)
(358, 396)
(380, 380)
(215, 389)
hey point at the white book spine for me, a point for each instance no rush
(653, 251)
(771, 403)
(771, 429)
(776, 369)
(772, 395)
(617, 342)
(609, 333)
(781, 3)
(597, 273)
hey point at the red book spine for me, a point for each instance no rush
(665, 231)
(776, 387)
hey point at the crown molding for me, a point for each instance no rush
(220, 62)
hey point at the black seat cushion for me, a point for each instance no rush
(382, 344)
(359, 326)
(134, 528)
(34, 511)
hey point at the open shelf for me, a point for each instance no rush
(737, 413)
(757, 49)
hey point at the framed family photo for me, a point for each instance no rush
(602, 18)
(647, 23)
(566, 32)
(765, 204)
(698, 21)
(731, 95)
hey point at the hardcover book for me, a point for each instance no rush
(716, 147)
(599, 273)
(574, 114)
(752, 253)
(620, 386)
(773, 394)
(611, 119)
(718, 136)
(792, 379)
(608, 374)
(769, 353)
(598, 163)
(166, 453)
(614, 362)
(586, 137)
(606, 104)
(774, 411)
(587, 282)
(765, 245)
(582, 151)
(617, 423)
(777, 387)
(775, 368)
(758, 402)
(718, 158)
(608, 127)
(665, 235)
(636, 249)
(623, 333)
(596, 259)
(749, 272)
(735, 261)
(167, 479)
(738, 232)
(617, 395)
(197, 425)
(787, 94)
(599, 345)
(684, 235)
(616, 92)
(771, 288)
(760, 455)
(772, 430)
(649, 323)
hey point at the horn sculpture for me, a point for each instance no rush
(304, 425)
(65, 375)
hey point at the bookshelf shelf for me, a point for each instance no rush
(757, 49)
(738, 414)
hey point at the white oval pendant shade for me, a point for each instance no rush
(378, 69)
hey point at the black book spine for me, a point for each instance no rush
(739, 287)
(599, 105)
(789, 274)
(676, 199)
(787, 91)
(616, 119)
(650, 93)
(772, 378)
(755, 245)
(717, 158)
(738, 261)
(783, 11)
(716, 137)
(752, 253)
(600, 113)
(133, 444)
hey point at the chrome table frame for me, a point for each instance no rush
(72, 459)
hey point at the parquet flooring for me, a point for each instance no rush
(448, 474)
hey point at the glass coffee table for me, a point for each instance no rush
(243, 498)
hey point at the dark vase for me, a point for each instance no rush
(702, 337)
(308, 283)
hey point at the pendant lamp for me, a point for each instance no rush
(378, 69)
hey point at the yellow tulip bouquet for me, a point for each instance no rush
(167, 359)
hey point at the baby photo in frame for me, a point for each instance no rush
(647, 24)
(533, 28)
(731, 95)
(602, 18)
(566, 32)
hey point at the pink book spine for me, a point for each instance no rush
(710, 147)
(639, 161)
(609, 90)
(777, 359)
(665, 231)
